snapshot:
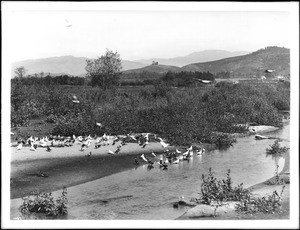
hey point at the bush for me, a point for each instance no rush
(252, 203)
(218, 191)
(276, 149)
(214, 190)
(44, 203)
(222, 140)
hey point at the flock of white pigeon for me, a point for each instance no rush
(171, 157)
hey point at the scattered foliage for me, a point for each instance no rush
(44, 203)
(276, 149)
(219, 191)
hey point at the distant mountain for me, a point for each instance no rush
(275, 58)
(64, 65)
(155, 69)
(202, 56)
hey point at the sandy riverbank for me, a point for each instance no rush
(68, 166)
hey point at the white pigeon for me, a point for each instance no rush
(32, 148)
(133, 137)
(144, 158)
(110, 152)
(147, 136)
(75, 100)
(164, 144)
(153, 154)
(199, 152)
(186, 153)
(176, 161)
(98, 124)
(177, 151)
(20, 146)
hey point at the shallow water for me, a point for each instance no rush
(148, 194)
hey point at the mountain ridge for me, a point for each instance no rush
(272, 57)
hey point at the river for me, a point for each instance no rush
(144, 194)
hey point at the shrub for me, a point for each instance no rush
(44, 203)
(276, 149)
(222, 140)
(214, 190)
(218, 191)
(252, 203)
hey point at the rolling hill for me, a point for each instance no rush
(155, 69)
(64, 65)
(202, 56)
(275, 58)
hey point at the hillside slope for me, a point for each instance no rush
(202, 56)
(255, 63)
(155, 69)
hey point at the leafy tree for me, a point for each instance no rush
(105, 70)
(20, 71)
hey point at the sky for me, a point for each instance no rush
(38, 31)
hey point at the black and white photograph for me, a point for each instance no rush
(150, 114)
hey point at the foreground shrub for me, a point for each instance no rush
(276, 149)
(252, 203)
(214, 190)
(217, 191)
(44, 203)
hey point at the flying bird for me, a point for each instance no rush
(153, 154)
(67, 23)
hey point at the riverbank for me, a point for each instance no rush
(68, 166)
(205, 212)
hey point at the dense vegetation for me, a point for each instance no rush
(49, 80)
(182, 115)
(181, 79)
